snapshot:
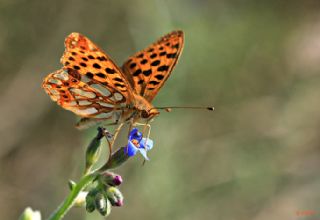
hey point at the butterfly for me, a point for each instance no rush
(93, 87)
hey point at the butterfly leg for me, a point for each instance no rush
(145, 126)
(149, 130)
(85, 123)
(131, 124)
(116, 132)
(111, 143)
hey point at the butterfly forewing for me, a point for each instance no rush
(94, 66)
(89, 84)
(148, 69)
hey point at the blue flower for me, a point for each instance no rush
(137, 143)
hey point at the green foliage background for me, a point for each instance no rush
(255, 157)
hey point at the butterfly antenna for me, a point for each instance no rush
(169, 109)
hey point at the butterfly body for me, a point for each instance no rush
(145, 108)
(92, 86)
(140, 109)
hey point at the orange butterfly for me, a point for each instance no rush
(92, 86)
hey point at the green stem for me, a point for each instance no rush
(69, 201)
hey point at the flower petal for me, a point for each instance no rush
(143, 152)
(130, 149)
(146, 144)
(132, 132)
(135, 134)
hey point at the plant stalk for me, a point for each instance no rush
(69, 201)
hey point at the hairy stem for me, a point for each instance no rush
(69, 201)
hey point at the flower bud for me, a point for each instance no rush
(71, 184)
(115, 196)
(29, 214)
(102, 204)
(81, 199)
(93, 150)
(90, 200)
(109, 178)
(117, 158)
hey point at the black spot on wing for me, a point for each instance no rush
(176, 46)
(110, 71)
(97, 66)
(163, 68)
(132, 65)
(118, 79)
(155, 63)
(137, 72)
(159, 77)
(119, 85)
(152, 82)
(171, 55)
(104, 83)
(102, 58)
(101, 75)
(144, 61)
(75, 74)
(147, 72)
(89, 75)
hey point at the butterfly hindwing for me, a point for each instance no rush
(148, 69)
(85, 100)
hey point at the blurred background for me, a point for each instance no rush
(257, 156)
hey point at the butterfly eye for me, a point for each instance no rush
(144, 114)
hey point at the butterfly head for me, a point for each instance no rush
(145, 108)
(150, 113)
